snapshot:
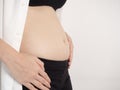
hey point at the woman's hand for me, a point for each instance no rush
(29, 71)
(71, 49)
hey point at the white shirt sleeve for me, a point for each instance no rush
(1, 18)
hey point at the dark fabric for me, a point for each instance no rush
(58, 73)
(53, 3)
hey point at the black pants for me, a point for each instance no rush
(58, 73)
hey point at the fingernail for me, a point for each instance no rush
(50, 80)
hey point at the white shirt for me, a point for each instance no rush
(12, 20)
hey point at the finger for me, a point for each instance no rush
(71, 44)
(44, 75)
(70, 41)
(42, 80)
(29, 86)
(69, 64)
(71, 51)
(70, 58)
(41, 64)
(38, 85)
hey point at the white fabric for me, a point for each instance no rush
(12, 20)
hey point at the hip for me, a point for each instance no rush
(58, 73)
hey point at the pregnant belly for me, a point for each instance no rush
(43, 35)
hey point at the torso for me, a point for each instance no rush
(43, 34)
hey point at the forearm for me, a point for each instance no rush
(7, 52)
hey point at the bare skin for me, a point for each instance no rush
(43, 34)
(19, 65)
(39, 40)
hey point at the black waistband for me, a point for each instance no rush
(58, 64)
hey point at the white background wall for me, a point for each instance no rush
(94, 26)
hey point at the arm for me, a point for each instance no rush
(19, 67)
(7, 52)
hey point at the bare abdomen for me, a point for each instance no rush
(43, 34)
